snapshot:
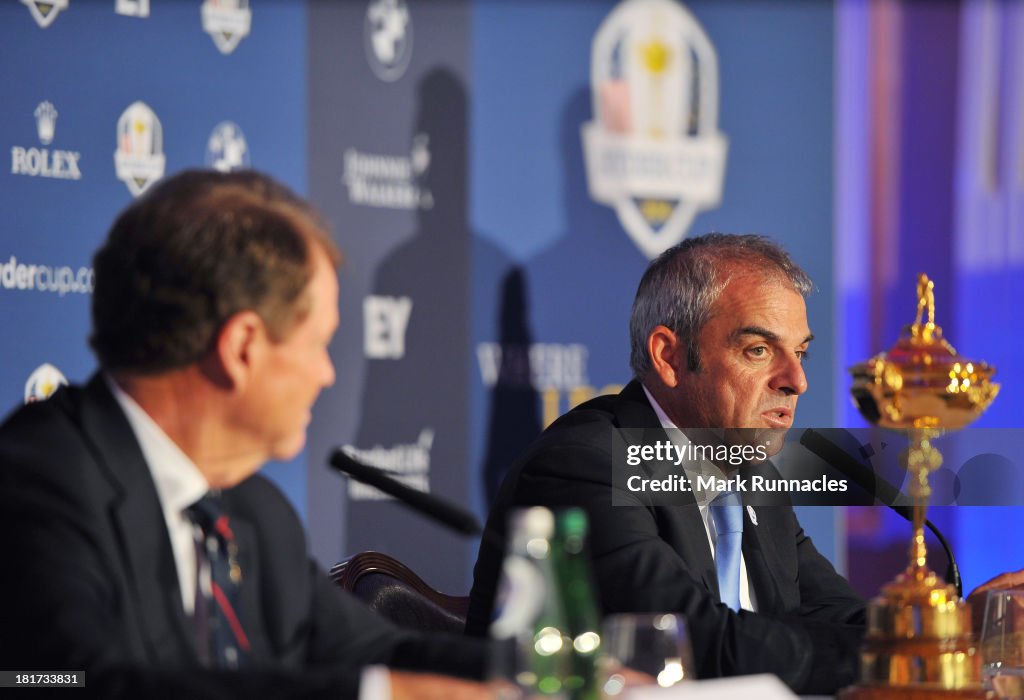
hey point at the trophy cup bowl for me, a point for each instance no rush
(919, 643)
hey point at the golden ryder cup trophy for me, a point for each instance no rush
(919, 643)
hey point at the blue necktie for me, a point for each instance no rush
(220, 638)
(728, 515)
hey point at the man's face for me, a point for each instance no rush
(291, 373)
(751, 363)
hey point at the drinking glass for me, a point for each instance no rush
(1002, 644)
(642, 649)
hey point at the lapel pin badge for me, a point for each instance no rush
(752, 515)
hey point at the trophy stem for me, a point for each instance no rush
(919, 644)
(920, 460)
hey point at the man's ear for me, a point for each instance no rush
(238, 348)
(665, 349)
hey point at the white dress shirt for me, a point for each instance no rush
(747, 598)
(179, 484)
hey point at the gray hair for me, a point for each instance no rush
(681, 286)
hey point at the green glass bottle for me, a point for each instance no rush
(532, 648)
(576, 584)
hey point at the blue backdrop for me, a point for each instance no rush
(485, 290)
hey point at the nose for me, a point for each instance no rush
(790, 379)
(329, 374)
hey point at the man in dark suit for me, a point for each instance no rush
(140, 546)
(718, 333)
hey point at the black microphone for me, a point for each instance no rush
(433, 507)
(877, 486)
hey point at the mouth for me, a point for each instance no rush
(781, 417)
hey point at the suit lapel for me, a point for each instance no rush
(140, 529)
(679, 523)
(760, 553)
(694, 549)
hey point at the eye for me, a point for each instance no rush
(803, 355)
(758, 351)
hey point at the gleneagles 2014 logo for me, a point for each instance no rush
(653, 151)
(33, 161)
(226, 149)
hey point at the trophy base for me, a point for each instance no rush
(919, 644)
(910, 692)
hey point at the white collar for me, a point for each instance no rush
(677, 436)
(179, 483)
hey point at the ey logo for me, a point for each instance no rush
(385, 320)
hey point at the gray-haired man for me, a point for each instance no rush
(719, 332)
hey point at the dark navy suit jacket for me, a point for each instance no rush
(89, 580)
(649, 558)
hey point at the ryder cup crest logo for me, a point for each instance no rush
(139, 159)
(45, 11)
(653, 151)
(387, 37)
(41, 384)
(226, 149)
(227, 21)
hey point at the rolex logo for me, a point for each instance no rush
(57, 164)
(46, 122)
